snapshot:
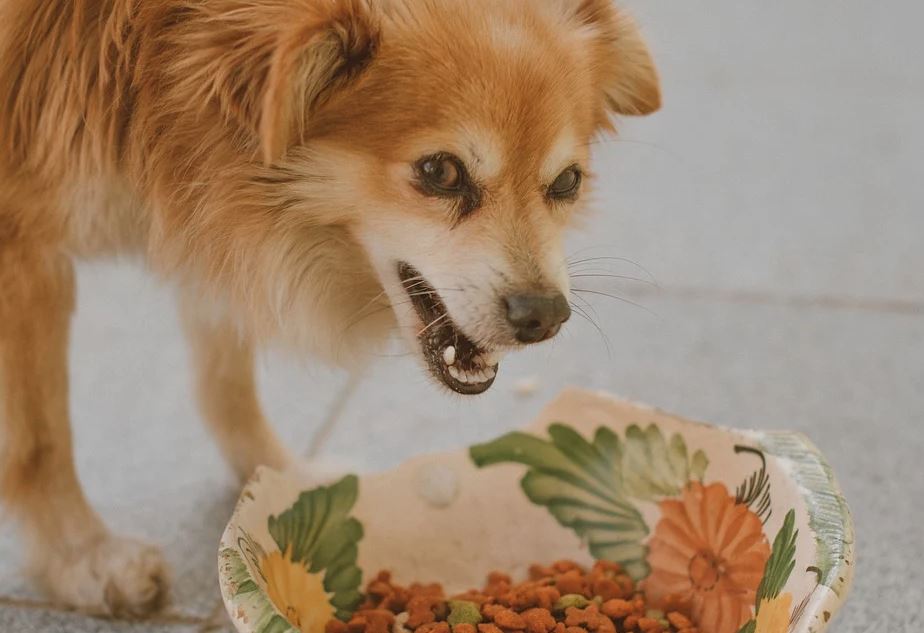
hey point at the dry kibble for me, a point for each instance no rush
(540, 571)
(607, 589)
(649, 624)
(539, 620)
(679, 621)
(508, 619)
(336, 626)
(559, 598)
(570, 582)
(617, 608)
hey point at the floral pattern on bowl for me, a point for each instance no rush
(747, 527)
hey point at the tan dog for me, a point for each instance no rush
(315, 171)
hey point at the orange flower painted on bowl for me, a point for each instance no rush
(710, 552)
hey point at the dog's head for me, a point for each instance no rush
(452, 140)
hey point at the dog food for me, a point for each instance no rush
(560, 598)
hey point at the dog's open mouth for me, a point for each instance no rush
(452, 357)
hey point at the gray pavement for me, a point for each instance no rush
(777, 199)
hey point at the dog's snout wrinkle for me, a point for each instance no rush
(537, 317)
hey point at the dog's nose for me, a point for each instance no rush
(536, 318)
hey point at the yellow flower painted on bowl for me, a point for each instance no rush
(773, 615)
(296, 593)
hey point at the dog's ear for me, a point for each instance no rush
(311, 60)
(272, 65)
(621, 60)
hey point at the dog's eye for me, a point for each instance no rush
(443, 173)
(567, 183)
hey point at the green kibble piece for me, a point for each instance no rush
(463, 612)
(571, 600)
(654, 614)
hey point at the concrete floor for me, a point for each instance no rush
(778, 201)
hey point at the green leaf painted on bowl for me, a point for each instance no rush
(653, 468)
(250, 599)
(781, 562)
(318, 532)
(829, 516)
(591, 486)
(749, 627)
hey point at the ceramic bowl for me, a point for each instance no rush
(749, 526)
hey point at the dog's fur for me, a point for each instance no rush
(259, 154)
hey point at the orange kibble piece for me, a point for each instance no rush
(575, 629)
(679, 620)
(605, 625)
(487, 627)
(508, 619)
(538, 620)
(692, 629)
(547, 596)
(570, 582)
(464, 627)
(617, 608)
(335, 626)
(607, 589)
(649, 624)
(379, 621)
(419, 611)
(630, 623)
(490, 610)
(527, 598)
(563, 566)
(559, 627)
(537, 572)
(608, 567)
(590, 617)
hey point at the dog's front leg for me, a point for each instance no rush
(226, 390)
(72, 553)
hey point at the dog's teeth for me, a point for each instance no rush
(449, 355)
(455, 373)
(489, 373)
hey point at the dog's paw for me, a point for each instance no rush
(117, 577)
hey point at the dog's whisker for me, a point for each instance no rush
(647, 282)
(432, 323)
(610, 258)
(587, 305)
(615, 298)
(606, 340)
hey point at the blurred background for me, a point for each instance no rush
(774, 213)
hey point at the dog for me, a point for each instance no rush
(318, 173)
